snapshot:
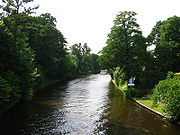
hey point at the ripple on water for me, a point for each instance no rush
(84, 106)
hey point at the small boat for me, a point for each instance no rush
(104, 72)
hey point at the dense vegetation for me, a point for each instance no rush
(126, 56)
(33, 53)
(168, 92)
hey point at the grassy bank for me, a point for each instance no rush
(147, 102)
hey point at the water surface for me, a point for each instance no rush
(84, 106)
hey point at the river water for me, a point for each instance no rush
(84, 106)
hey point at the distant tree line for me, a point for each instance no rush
(34, 53)
(126, 55)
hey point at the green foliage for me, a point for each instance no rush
(17, 57)
(126, 47)
(9, 88)
(149, 78)
(95, 63)
(5, 90)
(70, 65)
(17, 6)
(154, 37)
(33, 52)
(170, 30)
(86, 62)
(168, 93)
(119, 76)
(167, 51)
(170, 75)
(133, 92)
(14, 81)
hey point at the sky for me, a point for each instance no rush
(90, 21)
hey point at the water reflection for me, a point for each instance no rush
(84, 106)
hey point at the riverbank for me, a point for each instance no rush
(147, 103)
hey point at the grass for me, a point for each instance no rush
(122, 87)
(149, 102)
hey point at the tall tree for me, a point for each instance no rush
(17, 57)
(167, 53)
(125, 45)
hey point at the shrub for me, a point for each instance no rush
(119, 76)
(9, 88)
(149, 79)
(168, 93)
(5, 90)
(133, 92)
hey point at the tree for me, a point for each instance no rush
(17, 6)
(70, 66)
(17, 63)
(85, 61)
(154, 37)
(44, 39)
(126, 47)
(95, 63)
(32, 50)
(167, 53)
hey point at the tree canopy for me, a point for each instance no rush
(126, 47)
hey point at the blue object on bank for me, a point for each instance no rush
(131, 83)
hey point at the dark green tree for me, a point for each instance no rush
(154, 37)
(86, 62)
(17, 57)
(167, 53)
(32, 51)
(95, 63)
(126, 47)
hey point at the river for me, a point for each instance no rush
(83, 106)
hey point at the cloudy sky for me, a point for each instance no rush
(89, 21)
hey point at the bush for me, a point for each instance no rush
(9, 88)
(5, 90)
(119, 76)
(168, 93)
(133, 92)
(14, 81)
(149, 79)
